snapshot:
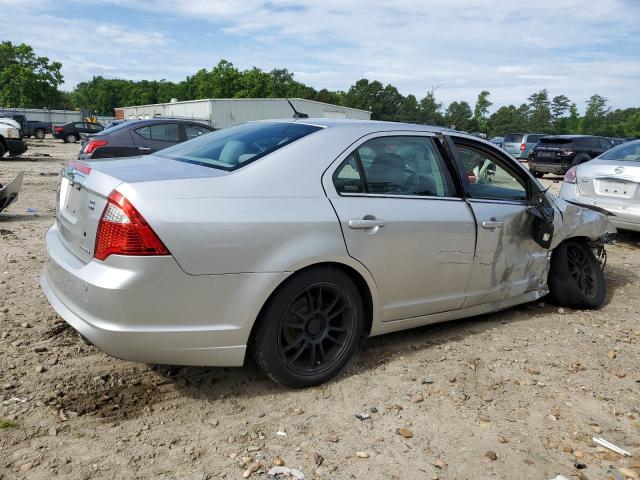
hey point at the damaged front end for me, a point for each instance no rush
(9, 193)
(582, 221)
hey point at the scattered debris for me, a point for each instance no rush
(611, 446)
(284, 472)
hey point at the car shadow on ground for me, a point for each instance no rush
(224, 383)
(156, 384)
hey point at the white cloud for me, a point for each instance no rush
(463, 46)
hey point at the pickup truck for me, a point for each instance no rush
(30, 128)
(11, 138)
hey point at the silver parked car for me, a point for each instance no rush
(610, 181)
(294, 239)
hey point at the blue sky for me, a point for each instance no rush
(459, 47)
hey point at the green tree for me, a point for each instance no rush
(593, 122)
(430, 110)
(574, 121)
(508, 119)
(540, 112)
(409, 109)
(482, 109)
(632, 125)
(459, 116)
(27, 80)
(559, 107)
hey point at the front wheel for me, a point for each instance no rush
(71, 138)
(309, 328)
(39, 134)
(576, 279)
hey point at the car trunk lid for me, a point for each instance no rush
(85, 186)
(609, 179)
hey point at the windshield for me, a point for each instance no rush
(232, 147)
(627, 152)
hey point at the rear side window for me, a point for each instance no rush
(165, 132)
(347, 178)
(193, 131)
(513, 138)
(590, 143)
(605, 144)
(232, 147)
(533, 138)
(395, 166)
(79, 125)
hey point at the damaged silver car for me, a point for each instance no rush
(294, 239)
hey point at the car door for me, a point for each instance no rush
(403, 218)
(508, 262)
(151, 138)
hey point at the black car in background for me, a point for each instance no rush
(558, 153)
(140, 137)
(70, 132)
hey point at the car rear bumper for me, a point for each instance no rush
(626, 216)
(16, 146)
(557, 168)
(146, 309)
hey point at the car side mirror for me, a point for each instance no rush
(543, 214)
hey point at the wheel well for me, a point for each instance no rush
(360, 282)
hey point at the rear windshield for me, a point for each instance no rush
(627, 152)
(232, 147)
(513, 138)
(117, 127)
(555, 142)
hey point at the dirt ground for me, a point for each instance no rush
(513, 395)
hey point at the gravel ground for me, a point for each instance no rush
(513, 395)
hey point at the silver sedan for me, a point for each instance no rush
(610, 181)
(292, 240)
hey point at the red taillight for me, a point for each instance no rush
(523, 147)
(123, 231)
(570, 176)
(58, 129)
(79, 167)
(93, 144)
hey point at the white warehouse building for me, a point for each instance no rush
(224, 112)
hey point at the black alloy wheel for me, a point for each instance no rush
(315, 329)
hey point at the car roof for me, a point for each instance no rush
(163, 120)
(372, 125)
(568, 137)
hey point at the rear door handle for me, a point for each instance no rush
(362, 224)
(491, 224)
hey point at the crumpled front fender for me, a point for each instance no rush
(575, 221)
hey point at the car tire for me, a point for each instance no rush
(2, 150)
(575, 278)
(309, 328)
(71, 138)
(538, 174)
(39, 134)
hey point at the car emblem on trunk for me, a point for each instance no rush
(619, 169)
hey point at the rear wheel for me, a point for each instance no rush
(71, 138)
(538, 174)
(309, 328)
(2, 150)
(39, 133)
(575, 277)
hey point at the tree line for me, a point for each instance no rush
(30, 81)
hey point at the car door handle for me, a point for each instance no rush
(144, 149)
(491, 224)
(362, 224)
